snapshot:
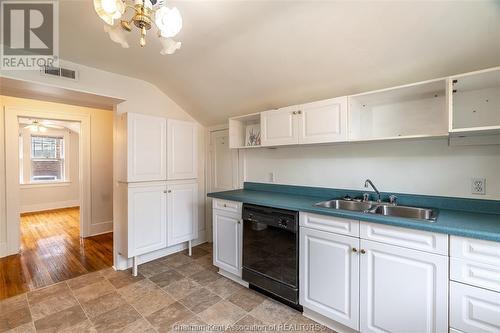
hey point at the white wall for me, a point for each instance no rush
(419, 167)
(140, 96)
(37, 197)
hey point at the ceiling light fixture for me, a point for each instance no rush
(42, 126)
(36, 127)
(146, 14)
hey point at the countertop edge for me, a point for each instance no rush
(397, 222)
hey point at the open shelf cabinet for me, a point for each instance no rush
(410, 111)
(240, 126)
(475, 103)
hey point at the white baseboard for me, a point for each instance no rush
(125, 264)
(100, 228)
(3, 250)
(49, 206)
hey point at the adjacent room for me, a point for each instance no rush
(250, 166)
(47, 147)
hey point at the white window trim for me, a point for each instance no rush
(55, 183)
(26, 160)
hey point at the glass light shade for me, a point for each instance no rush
(169, 46)
(117, 35)
(36, 127)
(109, 10)
(169, 21)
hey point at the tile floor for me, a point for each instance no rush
(172, 294)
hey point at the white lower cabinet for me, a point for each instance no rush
(329, 275)
(147, 218)
(402, 290)
(157, 215)
(475, 289)
(227, 238)
(373, 287)
(473, 309)
(182, 212)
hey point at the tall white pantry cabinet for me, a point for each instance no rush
(157, 181)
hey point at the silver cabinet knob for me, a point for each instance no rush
(169, 191)
(299, 112)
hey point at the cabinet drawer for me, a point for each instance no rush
(474, 310)
(479, 251)
(227, 206)
(409, 238)
(329, 223)
(476, 274)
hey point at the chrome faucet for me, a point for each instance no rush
(369, 182)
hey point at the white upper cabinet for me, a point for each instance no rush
(244, 131)
(323, 121)
(280, 127)
(318, 122)
(475, 102)
(411, 111)
(182, 212)
(464, 105)
(145, 138)
(182, 153)
(402, 290)
(147, 218)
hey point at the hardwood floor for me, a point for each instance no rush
(52, 251)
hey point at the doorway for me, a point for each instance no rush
(222, 166)
(54, 230)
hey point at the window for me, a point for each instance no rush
(44, 157)
(47, 158)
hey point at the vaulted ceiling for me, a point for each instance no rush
(241, 57)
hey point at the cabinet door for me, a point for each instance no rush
(147, 219)
(329, 275)
(402, 290)
(474, 310)
(182, 152)
(323, 121)
(182, 213)
(227, 236)
(146, 148)
(279, 127)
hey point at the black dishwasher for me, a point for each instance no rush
(271, 251)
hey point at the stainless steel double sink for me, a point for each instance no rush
(381, 208)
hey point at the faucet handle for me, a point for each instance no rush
(366, 197)
(393, 199)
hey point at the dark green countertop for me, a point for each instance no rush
(482, 223)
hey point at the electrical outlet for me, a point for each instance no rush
(478, 186)
(271, 177)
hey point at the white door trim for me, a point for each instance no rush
(12, 169)
(208, 175)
